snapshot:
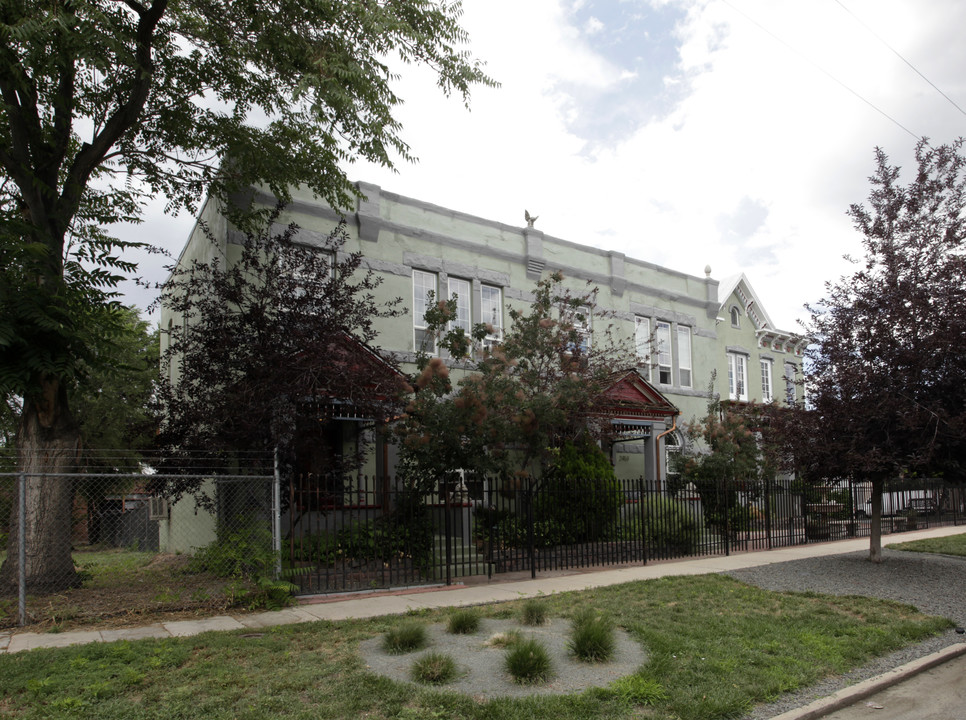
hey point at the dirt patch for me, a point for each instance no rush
(161, 589)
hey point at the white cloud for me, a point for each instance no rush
(593, 26)
(760, 130)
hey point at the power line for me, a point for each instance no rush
(825, 72)
(899, 55)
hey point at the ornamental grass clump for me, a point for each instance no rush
(591, 636)
(463, 622)
(528, 662)
(404, 638)
(434, 669)
(534, 613)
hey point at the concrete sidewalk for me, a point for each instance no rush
(400, 601)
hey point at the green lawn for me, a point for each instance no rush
(950, 545)
(716, 647)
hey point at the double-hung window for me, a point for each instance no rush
(459, 290)
(662, 338)
(582, 325)
(491, 314)
(424, 292)
(684, 355)
(737, 377)
(642, 341)
(766, 392)
(790, 383)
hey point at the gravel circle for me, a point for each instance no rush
(935, 584)
(481, 668)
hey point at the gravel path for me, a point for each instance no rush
(935, 584)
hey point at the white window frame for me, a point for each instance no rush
(737, 377)
(642, 342)
(662, 346)
(790, 394)
(585, 329)
(463, 291)
(491, 313)
(766, 389)
(684, 355)
(421, 282)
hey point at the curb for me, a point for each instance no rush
(854, 693)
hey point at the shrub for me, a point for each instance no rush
(434, 668)
(534, 612)
(243, 552)
(463, 622)
(404, 638)
(670, 526)
(592, 636)
(579, 498)
(405, 533)
(528, 662)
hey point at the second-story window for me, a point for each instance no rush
(424, 287)
(790, 395)
(459, 290)
(491, 314)
(662, 341)
(642, 342)
(684, 355)
(582, 324)
(737, 377)
(766, 392)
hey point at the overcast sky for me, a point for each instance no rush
(729, 133)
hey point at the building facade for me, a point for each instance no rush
(691, 334)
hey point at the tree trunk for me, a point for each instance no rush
(48, 442)
(875, 529)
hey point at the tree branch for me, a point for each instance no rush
(124, 116)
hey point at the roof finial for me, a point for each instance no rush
(707, 271)
(531, 219)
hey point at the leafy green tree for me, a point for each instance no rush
(724, 457)
(886, 374)
(113, 401)
(104, 105)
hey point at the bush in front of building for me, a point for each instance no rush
(579, 495)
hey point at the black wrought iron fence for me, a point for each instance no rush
(380, 534)
(114, 546)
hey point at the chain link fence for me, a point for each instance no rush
(87, 546)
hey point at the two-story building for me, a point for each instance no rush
(686, 329)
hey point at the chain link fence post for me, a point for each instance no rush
(277, 517)
(22, 549)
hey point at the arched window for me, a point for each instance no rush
(672, 454)
(735, 316)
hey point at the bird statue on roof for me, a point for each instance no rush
(530, 218)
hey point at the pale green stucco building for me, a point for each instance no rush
(687, 329)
